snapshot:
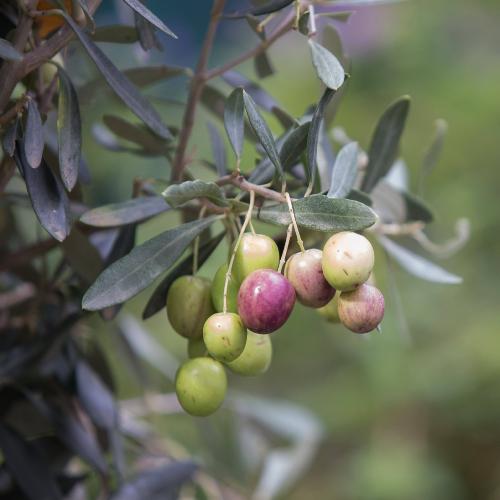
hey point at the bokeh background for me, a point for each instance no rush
(384, 417)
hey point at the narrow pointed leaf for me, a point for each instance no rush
(432, 154)
(345, 170)
(47, 196)
(314, 135)
(417, 265)
(33, 136)
(158, 298)
(218, 149)
(294, 145)
(147, 34)
(29, 468)
(178, 194)
(327, 66)
(384, 146)
(69, 130)
(263, 66)
(320, 213)
(128, 212)
(143, 11)
(134, 272)
(8, 51)
(267, 8)
(263, 133)
(121, 84)
(234, 120)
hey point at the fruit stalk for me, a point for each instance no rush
(294, 222)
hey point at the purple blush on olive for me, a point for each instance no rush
(265, 300)
(362, 309)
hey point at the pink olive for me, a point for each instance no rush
(304, 270)
(362, 309)
(265, 300)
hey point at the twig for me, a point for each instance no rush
(197, 84)
(240, 182)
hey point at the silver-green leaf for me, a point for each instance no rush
(8, 51)
(33, 136)
(327, 66)
(345, 170)
(134, 272)
(234, 120)
(178, 194)
(143, 11)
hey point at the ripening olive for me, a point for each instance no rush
(348, 260)
(189, 305)
(255, 251)
(201, 385)
(362, 309)
(265, 300)
(305, 273)
(255, 358)
(225, 336)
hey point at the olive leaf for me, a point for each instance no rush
(294, 145)
(33, 136)
(8, 51)
(127, 212)
(178, 194)
(69, 131)
(314, 135)
(345, 170)
(134, 272)
(328, 68)
(385, 142)
(234, 120)
(143, 11)
(218, 149)
(264, 135)
(10, 137)
(122, 86)
(321, 213)
(417, 265)
(115, 34)
(267, 8)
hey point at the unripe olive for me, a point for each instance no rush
(201, 385)
(196, 348)
(189, 305)
(265, 300)
(331, 311)
(255, 358)
(225, 336)
(255, 251)
(348, 260)
(217, 291)
(49, 70)
(305, 273)
(362, 309)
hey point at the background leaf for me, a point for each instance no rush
(130, 211)
(69, 130)
(345, 171)
(116, 34)
(385, 142)
(417, 265)
(121, 84)
(321, 213)
(178, 194)
(33, 136)
(142, 10)
(134, 272)
(327, 66)
(234, 120)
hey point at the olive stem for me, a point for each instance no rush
(285, 247)
(252, 228)
(294, 222)
(196, 245)
(248, 217)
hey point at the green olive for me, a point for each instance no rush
(256, 251)
(331, 311)
(201, 385)
(217, 291)
(189, 305)
(225, 336)
(256, 357)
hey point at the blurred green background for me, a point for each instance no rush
(417, 419)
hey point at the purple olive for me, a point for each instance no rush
(304, 270)
(265, 300)
(362, 309)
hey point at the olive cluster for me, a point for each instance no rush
(226, 320)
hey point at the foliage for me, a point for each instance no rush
(51, 369)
